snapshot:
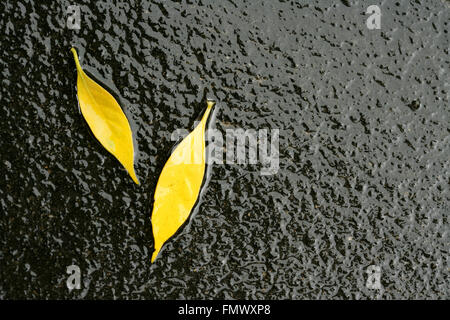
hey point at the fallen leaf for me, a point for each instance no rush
(106, 119)
(179, 184)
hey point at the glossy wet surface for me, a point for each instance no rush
(363, 176)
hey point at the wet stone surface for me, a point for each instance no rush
(363, 177)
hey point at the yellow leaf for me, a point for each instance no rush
(106, 119)
(179, 184)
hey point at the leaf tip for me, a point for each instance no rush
(135, 179)
(154, 255)
(210, 103)
(132, 173)
(75, 56)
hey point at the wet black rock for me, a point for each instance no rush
(363, 177)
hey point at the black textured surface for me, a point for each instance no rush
(364, 149)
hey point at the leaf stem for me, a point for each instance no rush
(77, 62)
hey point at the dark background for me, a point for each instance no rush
(364, 149)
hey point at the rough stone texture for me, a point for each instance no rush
(364, 149)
